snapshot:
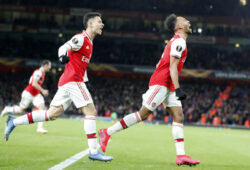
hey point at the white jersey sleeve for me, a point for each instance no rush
(85, 77)
(37, 75)
(177, 47)
(63, 50)
(76, 42)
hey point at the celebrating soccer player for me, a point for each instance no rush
(31, 94)
(71, 87)
(163, 88)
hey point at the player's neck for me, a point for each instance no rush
(182, 34)
(42, 69)
(90, 34)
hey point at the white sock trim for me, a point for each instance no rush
(177, 124)
(138, 116)
(89, 117)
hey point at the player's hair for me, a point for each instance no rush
(45, 62)
(89, 16)
(170, 22)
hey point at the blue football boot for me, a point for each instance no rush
(9, 127)
(99, 156)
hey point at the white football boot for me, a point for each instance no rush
(40, 128)
(5, 111)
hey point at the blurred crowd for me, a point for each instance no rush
(123, 95)
(237, 106)
(113, 51)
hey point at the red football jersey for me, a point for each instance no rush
(177, 48)
(39, 76)
(79, 55)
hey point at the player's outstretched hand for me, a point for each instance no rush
(45, 92)
(180, 94)
(64, 59)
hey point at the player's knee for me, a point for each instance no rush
(94, 112)
(89, 110)
(144, 113)
(54, 113)
(53, 117)
(144, 117)
(179, 118)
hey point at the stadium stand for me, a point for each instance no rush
(123, 95)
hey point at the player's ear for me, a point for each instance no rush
(91, 22)
(178, 24)
(88, 23)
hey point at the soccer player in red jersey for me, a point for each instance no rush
(71, 87)
(164, 88)
(32, 94)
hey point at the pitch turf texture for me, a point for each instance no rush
(139, 147)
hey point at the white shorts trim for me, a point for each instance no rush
(157, 95)
(27, 99)
(75, 92)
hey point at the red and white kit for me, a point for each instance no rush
(161, 88)
(71, 86)
(30, 93)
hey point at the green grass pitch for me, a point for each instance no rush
(139, 147)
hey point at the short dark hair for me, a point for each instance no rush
(88, 16)
(45, 62)
(170, 22)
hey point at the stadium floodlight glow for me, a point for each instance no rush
(237, 45)
(199, 30)
(53, 71)
(243, 2)
(60, 35)
(166, 41)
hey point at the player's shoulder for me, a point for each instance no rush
(76, 41)
(78, 36)
(179, 41)
(38, 70)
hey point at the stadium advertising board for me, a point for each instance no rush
(192, 73)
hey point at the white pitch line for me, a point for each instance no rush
(70, 160)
